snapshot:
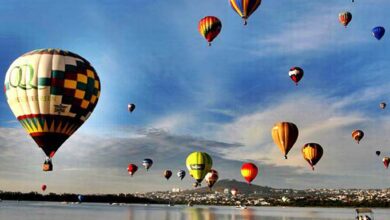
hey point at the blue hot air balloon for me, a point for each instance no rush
(378, 32)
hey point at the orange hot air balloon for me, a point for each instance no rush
(357, 135)
(386, 161)
(285, 135)
(43, 187)
(249, 172)
(345, 17)
(209, 27)
(312, 153)
(132, 168)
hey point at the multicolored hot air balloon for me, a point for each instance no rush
(378, 153)
(234, 191)
(199, 164)
(312, 153)
(209, 27)
(211, 178)
(382, 105)
(131, 107)
(244, 8)
(296, 74)
(249, 172)
(181, 174)
(131, 169)
(43, 187)
(167, 174)
(147, 163)
(51, 92)
(386, 161)
(357, 135)
(378, 32)
(285, 135)
(345, 17)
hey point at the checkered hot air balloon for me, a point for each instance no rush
(244, 8)
(209, 27)
(51, 92)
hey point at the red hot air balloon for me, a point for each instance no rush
(132, 168)
(43, 187)
(386, 161)
(209, 27)
(345, 17)
(296, 74)
(249, 172)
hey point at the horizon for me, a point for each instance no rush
(222, 99)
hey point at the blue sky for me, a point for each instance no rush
(222, 99)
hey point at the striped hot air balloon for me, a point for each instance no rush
(345, 17)
(209, 27)
(244, 8)
(285, 135)
(51, 92)
(312, 153)
(249, 172)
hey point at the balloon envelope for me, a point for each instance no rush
(147, 163)
(167, 174)
(386, 161)
(131, 107)
(199, 164)
(131, 169)
(378, 32)
(244, 8)
(296, 74)
(357, 135)
(285, 134)
(249, 171)
(345, 17)
(51, 92)
(211, 178)
(43, 187)
(312, 153)
(181, 174)
(209, 27)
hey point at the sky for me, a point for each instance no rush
(222, 99)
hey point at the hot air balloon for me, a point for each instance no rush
(382, 105)
(199, 164)
(378, 32)
(147, 163)
(43, 187)
(234, 191)
(132, 168)
(131, 107)
(51, 92)
(312, 153)
(167, 174)
(357, 135)
(378, 153)
(386, 161)
(244, 8)
(285, 135)
(249, 172)
(345, 17)
(209, 27)
(211, 178)
(80, 198)
(181, 174)
(296, 74)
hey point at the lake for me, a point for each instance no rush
(12, 210)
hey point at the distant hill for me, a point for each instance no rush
(242, 187)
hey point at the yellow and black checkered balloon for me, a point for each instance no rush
(51, 92)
